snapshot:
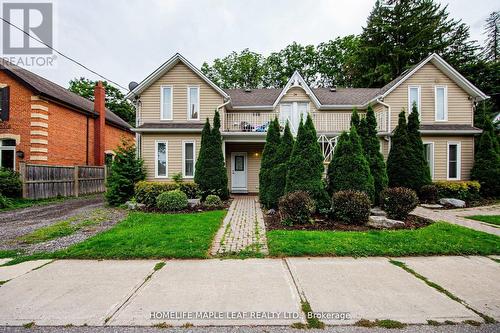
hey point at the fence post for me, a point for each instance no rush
(22, 171)
(77, 183)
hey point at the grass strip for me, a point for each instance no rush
(491, 219)
(487, 319)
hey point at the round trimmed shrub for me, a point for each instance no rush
(296, 208)
(172, 201)
(212, 201)
(10, 183)
(428, 194)
(352, 207)
(398, 202)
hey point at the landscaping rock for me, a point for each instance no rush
(132, 205)
(457, 203)
(193, 202)
(432, 206)
(382, 222)
(377, 212)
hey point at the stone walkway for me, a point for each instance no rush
(457, 216)
(243, 228)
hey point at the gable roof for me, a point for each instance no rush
(55, 92)
(296, 80)
(442, 65)
(160, 71)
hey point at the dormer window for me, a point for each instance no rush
(193, 103)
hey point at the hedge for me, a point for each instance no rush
(147, 192)
(463, 190)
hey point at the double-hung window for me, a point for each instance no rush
(161, 159)
(441, 103)
(193, 112)
(429, 156)
(413, 98)
(454, 156)
(188, 158)
(166, 102)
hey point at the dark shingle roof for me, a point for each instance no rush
(54, 91)
(267, 96)
(254, 97)
(448, 127)
(345, 96)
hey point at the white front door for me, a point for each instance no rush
(239, 172)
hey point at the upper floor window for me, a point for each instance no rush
(166, 103)
(161, 159)
(193, 103)
(413, 98)
(441, 103)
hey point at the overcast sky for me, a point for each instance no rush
(127, 40)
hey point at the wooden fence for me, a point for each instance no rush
(49, 181)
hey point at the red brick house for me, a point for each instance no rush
(44, 123)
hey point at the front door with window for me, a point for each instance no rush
(239, 172)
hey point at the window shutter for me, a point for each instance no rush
(5, 104)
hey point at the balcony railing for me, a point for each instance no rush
(324, 121)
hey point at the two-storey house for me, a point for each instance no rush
(174, 101)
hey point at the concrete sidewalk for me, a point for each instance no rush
(250, 292)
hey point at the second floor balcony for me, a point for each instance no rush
(330, 122)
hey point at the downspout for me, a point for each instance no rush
(87, 144)
(388, 122)
(137, 105)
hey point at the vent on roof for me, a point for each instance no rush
(334, 88)
(132, 85)
(247, 90)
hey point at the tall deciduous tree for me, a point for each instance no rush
(371, 146)
(115, 100)
(400, 33)
(399, 166)
(268, 193)
(305, 168)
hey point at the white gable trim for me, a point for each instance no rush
(296, 80)
(446, 68)
(165, 68)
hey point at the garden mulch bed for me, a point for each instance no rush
(324, 224)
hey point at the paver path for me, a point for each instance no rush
(457, 216)
(243, 228)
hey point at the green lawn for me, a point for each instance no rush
(491, 219)
(147, 235)
(436, 239)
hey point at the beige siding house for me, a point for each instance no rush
(174, 101)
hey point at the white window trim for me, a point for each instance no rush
(445, 103)
(431, 166)
(189, 103)
(459, 160)
(419, 99)
(171, 102)
(156, 158)
(184, 158)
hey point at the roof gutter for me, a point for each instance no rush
(166, 130)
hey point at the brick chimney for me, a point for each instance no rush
(99, 123)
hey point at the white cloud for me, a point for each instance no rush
(127, 40)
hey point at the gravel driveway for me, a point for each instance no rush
(20, 222)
